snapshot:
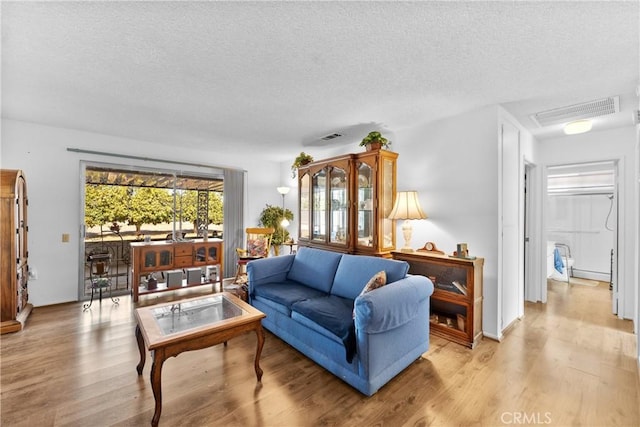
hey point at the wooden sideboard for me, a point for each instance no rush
(172, 258)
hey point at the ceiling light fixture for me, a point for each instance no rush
(578, 126)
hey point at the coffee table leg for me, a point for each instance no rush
(260, 335)
(156, 374)
(141, 348)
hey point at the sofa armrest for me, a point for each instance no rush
(393, 305)
(268, 270)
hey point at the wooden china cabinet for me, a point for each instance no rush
(344, 202)
(14, 270)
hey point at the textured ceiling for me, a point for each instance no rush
(230, 74)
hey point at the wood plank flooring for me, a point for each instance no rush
(569, 362)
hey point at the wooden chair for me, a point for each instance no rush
(258, 245)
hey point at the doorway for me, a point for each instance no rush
(582, 223)
(124, 204)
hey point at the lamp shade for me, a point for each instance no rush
(407, 206)
(283, 190)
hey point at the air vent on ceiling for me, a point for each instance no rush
(330, 137)
(585, 110)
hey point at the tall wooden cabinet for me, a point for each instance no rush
(344, 202)
(14, 270)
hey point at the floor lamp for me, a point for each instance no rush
(285, 222)
(407, 207)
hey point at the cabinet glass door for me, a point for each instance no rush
(339, 199)
(165, 257)
(212, 254)
(304, 206)
(206, 254)
(365, 197)
(319, 220)
(386, 204)
(21, 219)
(150, 259)
(154, 258)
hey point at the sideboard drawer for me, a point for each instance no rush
(185, 249)
(183, 261)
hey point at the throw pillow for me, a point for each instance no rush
(377, 281)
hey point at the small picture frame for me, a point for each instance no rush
(461, 250)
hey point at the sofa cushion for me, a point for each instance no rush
(354, 271)
(315, 268)
(286, 293)
(332, 313)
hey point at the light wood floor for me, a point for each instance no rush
(569, 362)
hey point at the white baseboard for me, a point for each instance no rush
(492, 336)
(592, 275)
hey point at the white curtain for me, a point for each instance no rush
(233, 233)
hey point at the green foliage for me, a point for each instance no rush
(150, 206)
(272, 216)
(105, 204)
(302, 159)
(190, 207)
(374, 137)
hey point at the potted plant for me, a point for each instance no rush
(272, 216)
(302, 159)
(374, 141)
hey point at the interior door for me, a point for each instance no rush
(613, 284)
(527, 272)
(512, 269)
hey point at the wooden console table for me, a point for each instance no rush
(161, 257)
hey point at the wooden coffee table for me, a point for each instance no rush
(192, 324)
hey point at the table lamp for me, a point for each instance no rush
(407, 207)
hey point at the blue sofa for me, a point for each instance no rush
(312, 301)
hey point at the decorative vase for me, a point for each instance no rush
(374, 146)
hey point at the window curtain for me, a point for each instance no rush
(234, 202)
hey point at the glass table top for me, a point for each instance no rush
(182, 316)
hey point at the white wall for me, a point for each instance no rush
(613, 144)
(453, 164)
(54, 182)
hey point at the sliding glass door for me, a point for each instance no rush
(124, 205)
